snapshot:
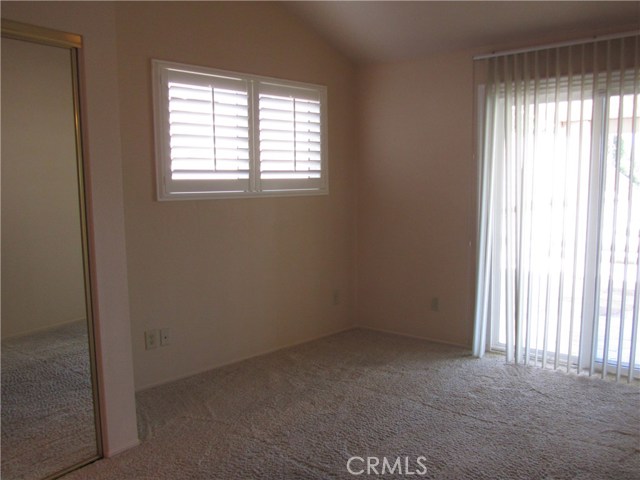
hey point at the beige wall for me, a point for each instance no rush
(42, 272)
(236, 277)
(95, 21)
(416, 203)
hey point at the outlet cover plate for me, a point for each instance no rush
(151, 339)
(165, 337)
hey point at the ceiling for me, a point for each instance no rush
(388, 31)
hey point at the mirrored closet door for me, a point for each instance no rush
(49, 404)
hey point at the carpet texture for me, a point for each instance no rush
(304, 411)
(47, 404)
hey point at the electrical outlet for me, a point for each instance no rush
(151, 339)
(165, 337)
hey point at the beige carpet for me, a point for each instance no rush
(303, 412)
(47, 404)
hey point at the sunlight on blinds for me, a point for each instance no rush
(559, 233)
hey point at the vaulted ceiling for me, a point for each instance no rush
(388, 31)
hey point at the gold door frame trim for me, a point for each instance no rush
(46, 36)
(72, 42)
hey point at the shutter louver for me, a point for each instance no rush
(290, 138)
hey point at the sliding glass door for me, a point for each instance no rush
(560, 218)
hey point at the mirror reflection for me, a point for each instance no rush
(48, 421)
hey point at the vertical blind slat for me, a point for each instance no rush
(526, 203)
(576, 212)
(614, 221)
(560, 310)
(547, 302)
(594, 154)
(623, 301)
(632, 162)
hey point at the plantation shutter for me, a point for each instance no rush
(208, 121)
(223, 134)
(291, 138)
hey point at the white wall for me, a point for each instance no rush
(42, 272)
(235, 277)
(95, 21)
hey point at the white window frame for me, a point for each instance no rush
(191, 189)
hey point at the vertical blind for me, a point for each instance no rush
(559, 232)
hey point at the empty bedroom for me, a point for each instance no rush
(313, 240)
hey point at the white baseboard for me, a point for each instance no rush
(241, 359)
(417, 337)
(113, 453)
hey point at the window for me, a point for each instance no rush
(223, 134)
